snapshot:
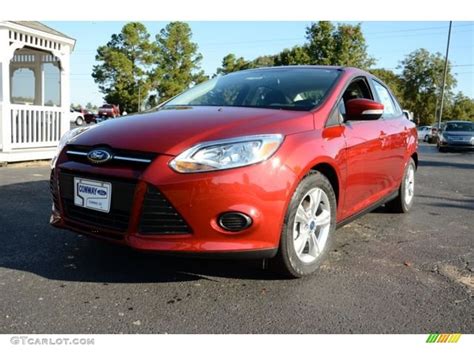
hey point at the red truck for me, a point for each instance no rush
(109, 111)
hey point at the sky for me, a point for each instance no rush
(388, 43)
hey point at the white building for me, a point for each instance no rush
(34, 90)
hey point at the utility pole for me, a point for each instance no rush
(444, 77)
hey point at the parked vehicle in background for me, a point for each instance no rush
(76, 117)
(109, 111)
(261, 163)
(434, 132)
(90, 117)
(456, 135)
(424, 133)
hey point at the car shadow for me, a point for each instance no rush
(446, 164)
(30, 244)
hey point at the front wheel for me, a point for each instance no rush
(406, 193)
(308, 227)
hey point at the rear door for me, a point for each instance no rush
(395, 128)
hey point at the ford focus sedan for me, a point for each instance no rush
(263, 163)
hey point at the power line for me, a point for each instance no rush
(302, 38)
(419, 29)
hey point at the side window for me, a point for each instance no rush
(357, 89)
(391, 108)
(337, 116)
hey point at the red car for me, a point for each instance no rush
(262, 163)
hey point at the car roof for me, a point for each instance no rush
(286, 67)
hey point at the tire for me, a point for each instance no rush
(442, 149)
(79, 121)
(314, 238)
(406, 192)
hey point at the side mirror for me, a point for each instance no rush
(363, 110)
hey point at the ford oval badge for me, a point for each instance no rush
(99, 156)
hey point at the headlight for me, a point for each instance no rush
(227, 153)
(66, 138)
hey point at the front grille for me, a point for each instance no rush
(159, 216)
(122, 198)
(53, 186)
(120, 157)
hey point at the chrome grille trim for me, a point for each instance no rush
(74, 152)
(116, 157)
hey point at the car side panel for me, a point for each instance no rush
(366, 173)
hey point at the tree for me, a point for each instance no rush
(326, 45)
(230, 64)
(321, 46)
(91, 107)
(337, 45)
(263, 61)
(177, 61)
(297, 55)
(126, 57)
(422, 76)
(461, 107)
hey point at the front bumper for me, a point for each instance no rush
(456, 145)
(261, 191)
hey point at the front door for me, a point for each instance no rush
(365, 176)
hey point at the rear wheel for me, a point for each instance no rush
(79, 121)
(308, 228)
(406, 193)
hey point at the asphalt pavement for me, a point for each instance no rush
(388, 273)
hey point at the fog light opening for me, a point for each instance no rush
(234, 221)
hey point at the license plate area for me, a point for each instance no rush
(92, 194)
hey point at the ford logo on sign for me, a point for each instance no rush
(99, 156)
(101, 192)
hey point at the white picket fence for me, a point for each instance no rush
(35, 126)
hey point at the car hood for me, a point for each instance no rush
(171, 131)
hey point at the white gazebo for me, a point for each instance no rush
(34, 90)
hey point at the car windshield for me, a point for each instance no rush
(460, 127)
(299, 89)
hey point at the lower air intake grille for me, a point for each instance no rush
(159, 217)
(234, 221)
(53, 186)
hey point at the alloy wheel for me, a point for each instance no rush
(312, 225)
(409, 184)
